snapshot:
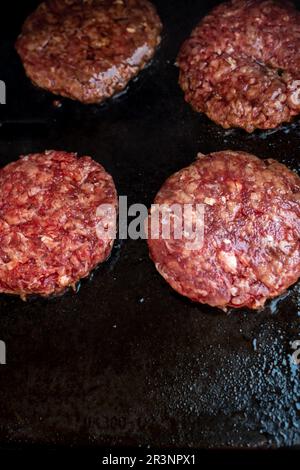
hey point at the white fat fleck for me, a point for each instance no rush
(295, 84)
(234, 291)
(64, 280)
(278, 105)
(34, 191)
(231, 62)
(295, 97)
(276, 93)
(46, 239)
(229, 260)
(269, 239)
(210, 201)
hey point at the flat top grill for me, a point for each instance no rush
(127, 361)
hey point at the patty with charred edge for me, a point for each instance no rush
(88, 50)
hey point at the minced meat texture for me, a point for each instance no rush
(251, 248)
(241, 65)
(88, 50)
(48, 222)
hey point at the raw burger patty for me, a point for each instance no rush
(241, 65)
(48, 221)
(251, 249)
(88, 50)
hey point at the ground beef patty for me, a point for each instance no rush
(49, 220)
(88, 49)
(241, 65)
(251, 249)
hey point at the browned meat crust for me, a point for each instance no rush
(251, 249)
(241, 65)
(48, 222)
(88, 50)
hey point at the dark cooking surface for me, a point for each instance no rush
(127, 360)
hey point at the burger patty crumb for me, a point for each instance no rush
(250, 250)
(49, 216)
(241, 64)
(88, 50)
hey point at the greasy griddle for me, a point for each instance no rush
(127, 361)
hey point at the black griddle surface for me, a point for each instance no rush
(127, 361)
